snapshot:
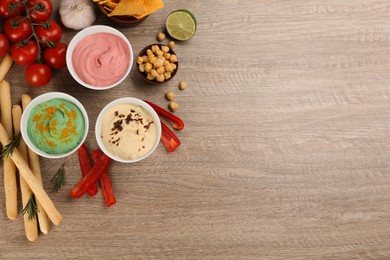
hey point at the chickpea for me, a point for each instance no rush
(158, 63)
(140, 60)
(160, 70)
(167, 55)
(141, 67)
(154, 73)
(160, 36)
(170, 96)
(171, 44)
(148, 67)
(174, 66)
(173, 58)
(165, 49)
(145, 58)
(152, 59)
(159, 53)
(160, 78)
(166, 62)
(167, 75)
(173, 106)
(155, 48)
(169, 67)
(149, 52)
(182, 85)
(149, 76)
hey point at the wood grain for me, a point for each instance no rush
(285, 153)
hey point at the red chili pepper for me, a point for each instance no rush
(176, 122)
(91, 177)
(168, 138)
(86, 165)
(105, 182)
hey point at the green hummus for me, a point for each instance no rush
(56, 126)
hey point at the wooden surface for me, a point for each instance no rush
(285, 153)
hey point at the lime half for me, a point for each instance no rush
(181, 24)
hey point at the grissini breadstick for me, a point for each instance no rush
(44, 223)
(10, 186)
(31, 180)
(5, 65)
(30, 225)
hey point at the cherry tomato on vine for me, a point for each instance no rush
(11, 8)
(38, 74)
(55, 56)
(48, 32)
(24, 52)
(4, 45)
(17, 28)
(40, 10)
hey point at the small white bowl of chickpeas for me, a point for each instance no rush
(157, 63)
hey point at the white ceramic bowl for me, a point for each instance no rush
(43, 98)
(127, 100)
(89, 31)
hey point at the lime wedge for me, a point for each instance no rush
(181, 24)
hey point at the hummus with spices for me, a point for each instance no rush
(128, 131)
(56, 126)
(101, 59)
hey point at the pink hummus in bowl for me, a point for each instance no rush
(99, 57)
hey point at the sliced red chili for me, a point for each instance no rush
(176, 122)
(86, 165)
(91, 177)
(105, 182)
(169, 139)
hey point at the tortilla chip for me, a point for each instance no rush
(129, 7)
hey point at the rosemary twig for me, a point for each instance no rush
(59, 178)
(9, 148)
(30, 208)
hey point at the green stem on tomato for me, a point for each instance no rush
(39, 56)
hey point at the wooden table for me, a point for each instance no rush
(285, 153)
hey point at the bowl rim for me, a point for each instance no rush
(40, 99)
(127, 100)
(143, 52)
(89, 31)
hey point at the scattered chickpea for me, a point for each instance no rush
(171, 44)
(170, 96)
(173, 106)
(182, 85)
(160, 36)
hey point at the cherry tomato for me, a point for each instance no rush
(55, 57)
(38, 74)
(24, 52)
(10, 8)
(40, 10)
(4, 45)
(17, 28)
(48, 32)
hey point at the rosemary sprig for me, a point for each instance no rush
(9, 148)
(30, 208)
(59, 178)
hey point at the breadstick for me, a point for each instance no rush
(44, 223)
(31, 180)
(5, 66)
(10, 187)
(30, 226)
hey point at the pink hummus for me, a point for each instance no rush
(101, 59)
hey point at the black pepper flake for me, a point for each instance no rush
(143, 146)
(128, 118)
(118, 125)
(137, 132)
(132, 110)
(116, 113)
(121, 116)
(117, 144)
(143, 139)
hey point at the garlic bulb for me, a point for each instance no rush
(77, 14)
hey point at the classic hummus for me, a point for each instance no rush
(101, 59)
(56, 126)
(128, 131)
